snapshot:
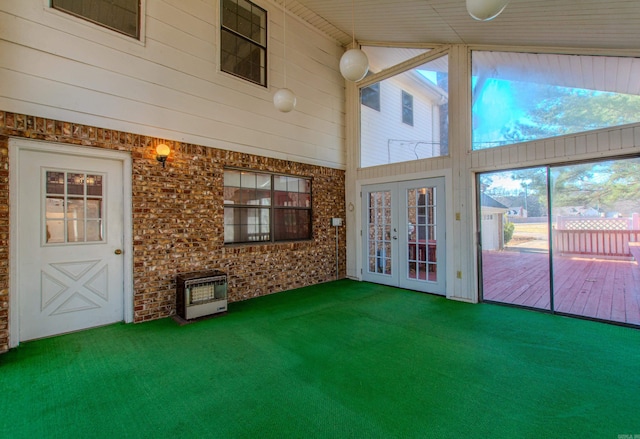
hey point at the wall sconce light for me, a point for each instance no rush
(162, 152)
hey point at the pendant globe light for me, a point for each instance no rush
(485, 10)
(354, 63)
(284, 99)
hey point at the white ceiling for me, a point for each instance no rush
(599, 24)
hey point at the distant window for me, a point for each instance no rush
(407, 108)
(243, 40)
(262, 207)
(122, 16)
(370, 96)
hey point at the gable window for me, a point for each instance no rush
(264, 207)
(524, 97)
(407, 108)
(388, 136)
(121, 16)
(243, 40)
(370, 96)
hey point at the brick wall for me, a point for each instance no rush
(178, 218)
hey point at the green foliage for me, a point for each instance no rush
(508, 231)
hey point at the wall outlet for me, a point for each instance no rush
(336, 222)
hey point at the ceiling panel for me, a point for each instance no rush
(606, 24)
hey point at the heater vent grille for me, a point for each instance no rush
(200, 294)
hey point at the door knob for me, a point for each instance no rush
(118, 251)
(395, 237)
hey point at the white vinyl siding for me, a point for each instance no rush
(169, 84)
(386, 139)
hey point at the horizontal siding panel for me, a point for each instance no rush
(172, 83)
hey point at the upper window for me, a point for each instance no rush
(407, 108)
(521, 97)
(262, 207)
(388, 135)
(370, 96)
(243, 40)
(122, 16)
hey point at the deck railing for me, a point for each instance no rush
(594, 236)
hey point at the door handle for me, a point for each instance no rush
(395, 237)
(118, 251)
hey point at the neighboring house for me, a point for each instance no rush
(492, 224)
(400, 120)
(517, 211)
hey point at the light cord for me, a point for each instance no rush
(284, 39)
(353, 23)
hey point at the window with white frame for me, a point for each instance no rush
(243, 40)
(119, 15)
(407, 108)
(264, 207)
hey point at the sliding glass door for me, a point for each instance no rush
(515, 237)
(563, 238)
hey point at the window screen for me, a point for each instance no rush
(120, 15)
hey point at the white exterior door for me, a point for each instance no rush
(404, 234)
(70, 236)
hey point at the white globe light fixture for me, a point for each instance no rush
(284, 100)
(485, 10)
(354, 65)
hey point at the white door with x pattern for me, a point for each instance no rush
(70, 240)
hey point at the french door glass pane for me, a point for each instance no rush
(379, 232)
(421, 209)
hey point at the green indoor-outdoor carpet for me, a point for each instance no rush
(339, 360)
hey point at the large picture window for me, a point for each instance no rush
(263, 207)
(122, 16)
(522, 97)
(390, 107)
(243, 40)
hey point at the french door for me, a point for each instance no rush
(404, 234)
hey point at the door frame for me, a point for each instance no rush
(449, 215)
(16, 145)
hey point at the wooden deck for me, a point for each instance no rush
(605, 289)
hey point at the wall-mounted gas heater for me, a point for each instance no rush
(201, 294)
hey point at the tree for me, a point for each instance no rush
(569, 110)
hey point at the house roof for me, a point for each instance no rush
(487, 201)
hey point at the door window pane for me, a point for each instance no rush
(379, 232)
(422, 244)
(73, 207)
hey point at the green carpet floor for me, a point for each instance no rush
(339, 360)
